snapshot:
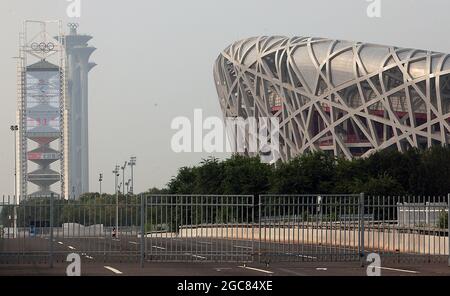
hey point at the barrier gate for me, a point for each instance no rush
(224, 228)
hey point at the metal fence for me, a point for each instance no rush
(408, 228)
(225, 228)
(41, 230)
(309, 228)
(199, 228)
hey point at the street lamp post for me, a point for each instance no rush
(14, 129)
(128, 186)
(132, 163)
(123, 177)
(116, 176)
(100, 179)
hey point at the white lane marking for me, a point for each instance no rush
(322, 268)
(199, 257)
(113, 269)
(205, 243)
(222, 268)
(70, 247)
(399, 270)
(159, 248)
(134, 243)
(243, 247)
(61, 243)
(116, 240)
(256, 269)
(307, 257)
(302, 256)
(292, 272)
(89, 257)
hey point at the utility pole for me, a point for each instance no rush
(132, 163)
(15, 128)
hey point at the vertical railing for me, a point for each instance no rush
(253, 225)
(448, 229)
(142, 230)
(51, 229)
(407, 228)
(361, 229)
(259, 228)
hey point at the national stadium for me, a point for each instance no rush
(346, 98)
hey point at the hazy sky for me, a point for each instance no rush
(155, 61)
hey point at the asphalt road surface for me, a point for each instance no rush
(128, 248)
(198, 256)
(224, 269)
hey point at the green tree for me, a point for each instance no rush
(306, 174)
(383, 185)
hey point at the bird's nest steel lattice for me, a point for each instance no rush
(348, 98)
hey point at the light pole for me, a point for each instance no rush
(14, 129)
(100, 179)
(132, 163)
(123, 177)
(116, 176)
(128, 185)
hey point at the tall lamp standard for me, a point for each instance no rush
(132, 163)
(14, 129)
(123, 176)
(128, 186)
(116, 176)
(100, 179)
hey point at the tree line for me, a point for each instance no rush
(385, 173)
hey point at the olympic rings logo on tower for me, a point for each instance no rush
(43, 47)
(73, 26)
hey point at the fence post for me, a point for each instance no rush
(142, 230)
(448, 228)
(361, 229)
(253, 227)
(259, 228)
(51, 228)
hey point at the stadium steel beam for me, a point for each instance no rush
(347, 98)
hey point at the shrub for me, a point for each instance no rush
(443, 220)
